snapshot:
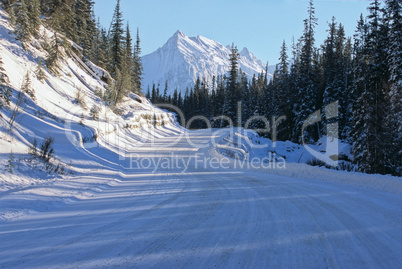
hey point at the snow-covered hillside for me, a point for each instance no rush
(60, 107)
(182, 59)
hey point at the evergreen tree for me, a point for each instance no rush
(40, 73)
(307, 91)
(165, 95)
(284, 100)
(27, 87)
(116, 41)
(128, 46)
(232, 90)
(138, 68)
(393, 12)
(84, 27)
(7, 4)
(22, 23)
(34, 13)
(127, 64)
(103, 52)
(11, 13)
(283, 67)
(11, 162)
(370, 139)
(5, 91)
(335, 64)
(52, 61)
(59, 14)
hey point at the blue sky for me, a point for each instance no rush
(259, 25)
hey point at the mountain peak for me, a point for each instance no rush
(179, 33)
(246, 53)
(176, 38)
(183, 59)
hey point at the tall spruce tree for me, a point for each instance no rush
(306, 103)
(54, 56)
(138, 67)
(335, 64)
(284, 97)
(59, 14)
(232, 95)
(34, 14)
(5, 90)
(368, 133)
(116, 41)
(103, 49)
(393, 13)
(22, 25)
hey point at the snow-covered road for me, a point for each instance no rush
(206, 218)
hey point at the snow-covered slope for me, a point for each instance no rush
(182, 59)
(81, 142)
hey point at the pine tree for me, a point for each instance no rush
(11, 162)
(283, 61)
(128, 49)
(40, 73)
(121, 86)
(138, 68)
(369, 134)
(59, 14)
(103, 52)
(27, 87)
(52, 61)
(116, 41)
(284, 97)
(127, 63)
(22, 25)
(393, 12)
(165, 94)
(7, 4)
(232, 90)
(5, 91)
(34, 14)
(84, 30)
(307, 90)
(11, 14)
(334, 65)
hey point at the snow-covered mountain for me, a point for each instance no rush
(182, 59)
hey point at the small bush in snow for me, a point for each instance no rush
(346, 166)
(17, 108)
(40, 72)
(316, 162)
(94, 112)
(33, 148)
(89, 139)
(46, 149)
(27, 87)
(11, 162)
(80, 98)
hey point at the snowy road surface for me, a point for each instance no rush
(207, 218)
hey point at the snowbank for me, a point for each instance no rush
(247, 145)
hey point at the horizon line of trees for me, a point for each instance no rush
(362, 74)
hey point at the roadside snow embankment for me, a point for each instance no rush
(247, 145)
